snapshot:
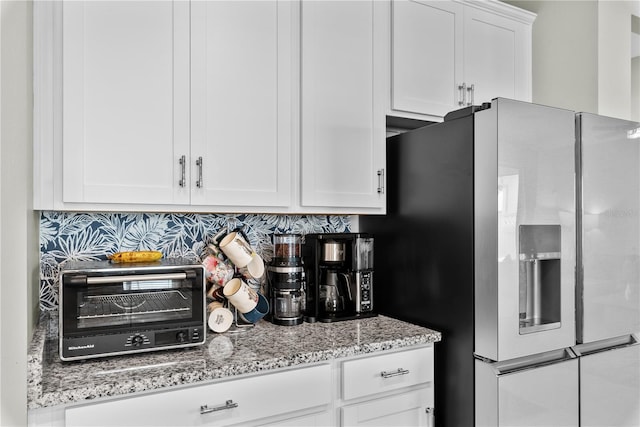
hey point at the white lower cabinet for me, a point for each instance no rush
(405, 409)
(393, 389)
(390, 388)
(245, 400)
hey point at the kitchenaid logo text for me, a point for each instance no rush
(81, 347)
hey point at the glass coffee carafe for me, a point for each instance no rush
(333, 290)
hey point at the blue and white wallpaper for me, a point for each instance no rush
(92, 236)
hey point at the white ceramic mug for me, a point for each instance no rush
(255, 268)
(220, 318)
(240, 295)
(213, 305)
(261, 309)
(237, 249)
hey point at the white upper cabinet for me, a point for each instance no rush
(241, 105)
(342, 104)
(497, 57)
(125, 92)
(446, 55)
(426, 61)
(164, 105)
(224, 106)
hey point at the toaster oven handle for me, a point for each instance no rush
(99, 280)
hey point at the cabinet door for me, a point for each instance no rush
(342, 117)
(407, 409)
(426, 50)
(125, 101)
(497, 57)
(241, 103)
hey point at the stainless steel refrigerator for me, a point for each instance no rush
(480, 242)
(608, 270)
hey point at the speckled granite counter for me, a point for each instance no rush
(261, 348)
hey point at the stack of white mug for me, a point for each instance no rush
(250, 304)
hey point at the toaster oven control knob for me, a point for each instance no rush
(181, 336)
(137, 340)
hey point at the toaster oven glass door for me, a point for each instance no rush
(111, 303)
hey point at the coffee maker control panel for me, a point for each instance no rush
(364, 295)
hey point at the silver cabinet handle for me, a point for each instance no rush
(400, 371)
(471, 91)
(431, 417)
(182, 161)
(380, 181)
(462, 89)
(229, 404)
(199, 164)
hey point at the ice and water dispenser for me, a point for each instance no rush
(539, 277)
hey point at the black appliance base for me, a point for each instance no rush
(340, 317)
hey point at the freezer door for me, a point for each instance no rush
(610, 387)
(608, 287)
(541, 394)
(524, 229)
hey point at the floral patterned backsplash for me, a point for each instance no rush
(92, 236)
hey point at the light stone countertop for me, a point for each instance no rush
(264, 347)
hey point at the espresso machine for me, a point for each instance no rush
(339, 276)
(285, 281)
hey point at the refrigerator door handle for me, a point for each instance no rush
(605, 345)
(526, 363)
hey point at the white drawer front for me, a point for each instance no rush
(256, 397)
(387, 372)
(406, 409)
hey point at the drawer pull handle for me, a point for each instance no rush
(400, 371)
(204, 409)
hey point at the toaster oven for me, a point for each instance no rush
(112, 309)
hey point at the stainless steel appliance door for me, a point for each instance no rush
(610, 384)
(608, 303)
(111, 302)
(534, 391)
(524, 229)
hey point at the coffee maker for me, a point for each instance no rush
(339, 276)
(285, 280)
